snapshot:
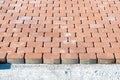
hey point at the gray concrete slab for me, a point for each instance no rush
(59, 72)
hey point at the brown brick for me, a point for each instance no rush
(69, 58)
(94, 50)
(54, 34)
(13, 30)
(27, 39)
(68, 44)
(59, 39)
(31, 30)
(36, 34)
(60, 50)
(78, 50)
(51, 58)
(51, 44)
(33, 58)
(4, 44)
(112, 49)
(15, 58)
(18, 34)
(117, 57)
(7, 50)
(44, 39)
(17, 44)
(25, 49)
(101, 44)
(88, 58)
(105, 58)
(115, 44)
(42, 50)
(88, 45)
(3, 58)
(34, 44)
(10, 39)
(111, 39)
(90, 39)
(5, 34)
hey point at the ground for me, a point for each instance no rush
(60, 72)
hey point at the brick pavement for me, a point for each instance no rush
(60, 31)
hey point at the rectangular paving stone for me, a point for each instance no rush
(33, 58)
(69, 58)
(51, 58)
(106, 58)
(15, 58)
(88, 58)
(3, 58)
(117, 57)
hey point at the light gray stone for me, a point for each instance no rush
(60, 72)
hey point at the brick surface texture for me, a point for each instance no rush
(60, 31)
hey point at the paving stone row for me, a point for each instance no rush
(47, 58)
(59, 31)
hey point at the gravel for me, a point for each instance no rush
(59, 72)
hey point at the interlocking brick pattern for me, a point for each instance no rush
(59, 31)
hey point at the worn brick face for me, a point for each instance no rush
(33, 58)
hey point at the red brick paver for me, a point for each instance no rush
(59, 31)
(33, 58)
(89, 58)
(51, 58)
(15, 58)
(3, 58)
(69, 58)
